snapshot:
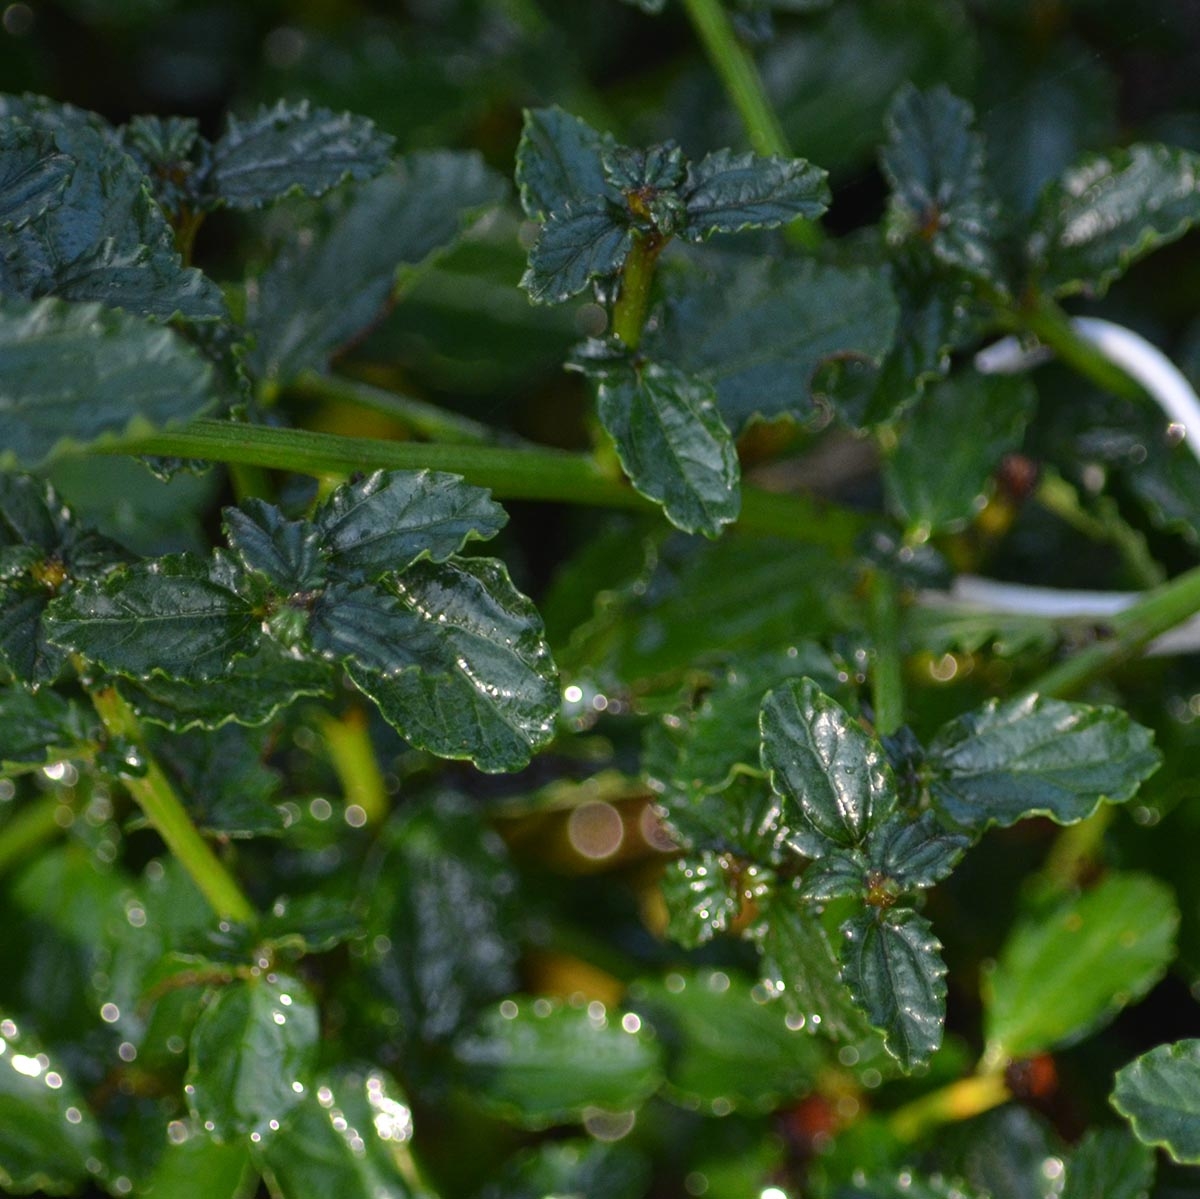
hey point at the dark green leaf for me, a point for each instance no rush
(727, 1047)
(575, 1167)
(252, 1055)
(76, 374)
(759, 332)
(33, 174)
(1108, 211)
(1109, 1164)
(292, 148)
(1036, 756)
(473, 676)
(727, 192)
(287, 552)
(836, 874)
(937, 477)
(799, 966)
(1003, 1153)
(40, 726)
(388, 520)
(703, 895)
(649, 180)
(323, 291)
(892, 963)
(905, 1185)
(440, 900)
(834, 779)
(49, 1139)
(585, 240)
(539, 1062)
(106, 241)
(1066, 972)
(672, 443)
(1159, 1094)
(197, 1167)
(156, 617)
(940, 195)
(559, 162)
(914, 853)
(304, 924)
(346, 1137)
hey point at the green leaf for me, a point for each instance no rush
(574, 1167)
(559, 162)
(1159, 1094)
(49, 1139)
(332, 283)
(834, 779)
(287, 552)
(837, 874)
(539, 1062)
(728, 192)
(1109, 1164)
(440, 896)
(197, 1167)
(156, 617)
(913, 854)
(1002, 1153)
(292, 149)
(33, 174)
(649, 182)
(672, 444)
(75, 374)
(940, 194)
(892, 963)
(345, 1137)
(703, 895)
(728, 1047)
(759, 331)
(938, 478)
(388, 520)
(40, 726)
(905, 1185)
(1065, 972)
(1108, 211)
(585, 240)
(1036, 757)
(107, 240)
(799, 967)
(472, 677)
(252, 1054)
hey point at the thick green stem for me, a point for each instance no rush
(515, 474)
(1131, 631)
(30, 829)
(887, 679)
(156, 797)
(353, 756)
(629, 312)
(949, 1104)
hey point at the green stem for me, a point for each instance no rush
(425, 420)
(887, 679)
(156, 797)
(30, 829)
(353, 758)
(1076, 849)
(629, 312)
(517, 474)
(959, 1100)
(1131, 630)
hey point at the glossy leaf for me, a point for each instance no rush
(913, 854)
(585, 240)
(76, 374)
(1159, 1094)
(473, 677)
(940, 194)
(323, 291)
(1109, 1164)
(49, 1139)
(1036, 757)
(156, 617)
(833, 777)
(730, 1050)
(252, 1055)
(286, 552)
(673, 444)
(40, 726)
(440, 901)
(573, 1167)
(937, 477)
(389, 519)
(892, 963)
(1065, 972)
(345, 1137)
(703, 895)
(107, 240)
(197, 1167)
(559, 162)
(292, 149)
(1108, 211)
(540, 1062)
(759, 332)
(836, 874)
(33, 176)
(727, 192)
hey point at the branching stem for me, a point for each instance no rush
(959, 1100)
